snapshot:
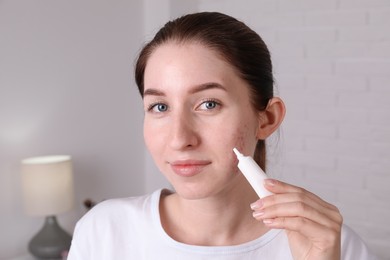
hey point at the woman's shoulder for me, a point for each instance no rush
(353, 246)
(121, 210)
(118, 205)
(112, 223)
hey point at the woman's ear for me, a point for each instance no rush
(270, 118)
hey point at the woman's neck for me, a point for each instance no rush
(221, 220)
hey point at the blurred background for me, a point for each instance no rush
(67, 87)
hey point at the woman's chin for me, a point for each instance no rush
(192, 192)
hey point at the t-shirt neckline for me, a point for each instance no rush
(214, 250)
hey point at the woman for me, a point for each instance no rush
(207, 86)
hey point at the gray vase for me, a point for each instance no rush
(51, 241)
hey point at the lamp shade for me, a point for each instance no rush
(47, 184)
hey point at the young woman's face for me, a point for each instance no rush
(197, 109)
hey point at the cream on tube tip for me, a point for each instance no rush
(253, 173)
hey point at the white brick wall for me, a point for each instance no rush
(332, 68)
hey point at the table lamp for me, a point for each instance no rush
(47, 184)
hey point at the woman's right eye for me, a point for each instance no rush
(158, 107)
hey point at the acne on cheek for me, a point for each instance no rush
(240, 137)
(239, 143)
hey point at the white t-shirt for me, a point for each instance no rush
(130, 228)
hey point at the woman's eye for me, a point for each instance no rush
(210, 104)
(159, 107)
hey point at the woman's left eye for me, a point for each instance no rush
(208, 105)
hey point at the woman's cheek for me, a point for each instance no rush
(239, 141)
(153, 141)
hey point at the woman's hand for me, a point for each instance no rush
(313, 226)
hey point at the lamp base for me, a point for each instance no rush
(51, 241)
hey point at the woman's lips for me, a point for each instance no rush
(188, 168)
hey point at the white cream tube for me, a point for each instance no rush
(253, 173)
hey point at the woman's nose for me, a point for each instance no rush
(183, 134)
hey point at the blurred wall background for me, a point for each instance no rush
(66, 86)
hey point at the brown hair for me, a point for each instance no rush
(240, 46)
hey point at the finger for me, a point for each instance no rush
(295, 209)
(302, 198)
(277, 187)
(326, 237)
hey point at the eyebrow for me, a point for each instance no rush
(196, 89)
(153, 92)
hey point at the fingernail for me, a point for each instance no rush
(256, 205)
(270, 182)
(257, 214)
(267, 221)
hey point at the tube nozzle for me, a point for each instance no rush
(238, 154)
